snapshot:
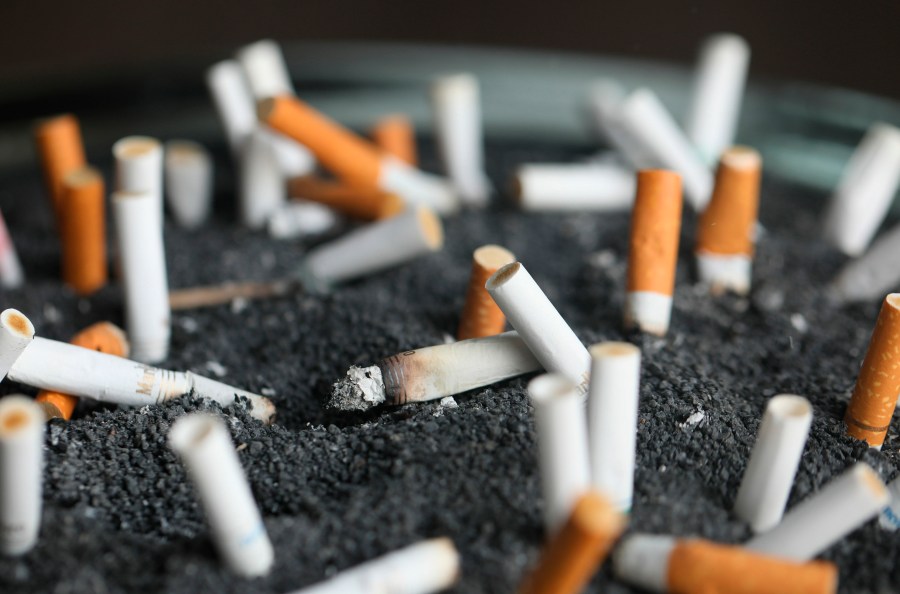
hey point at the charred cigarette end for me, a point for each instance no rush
(361, 389)
(261, 408)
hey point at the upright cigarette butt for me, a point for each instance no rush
(11, 274)
(103, 337)
(233, 101)
(693, 565)
(21, 473)
(139, 169)
(358, 202)
(480, 315)
(773, 463)
(16, 333)
(653, 251)
(575, 553)
(83, 230)
(725, 233)
(825, 517)
(395, 135)
(595, 187)
(874, 273)
(189, 182)
(261, 191)
(62, 151)
(266, 71)
(204, 445)
(875, 395)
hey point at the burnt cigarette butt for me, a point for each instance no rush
(575, 553)
(358, 202)
(104, 337)
(726, 229)
(210, 296)
(395, 135)
(83, 230)
(653, 250)
(875, 395)
(480, 315)
(62, 151)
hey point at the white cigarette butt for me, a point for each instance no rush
(874, 274)
(189, 182)
(262, 189)
(21, 473)
(600, 187)
(265, 69)
(11, 274)
(16, 333)
(301, 218)
(139, 170)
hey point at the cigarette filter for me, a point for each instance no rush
(715, 107)
(352, 158)
(773, 464)
(866, 190)
(301, 218)
(575, 553)
(821, 520)
(456, 109)
(11, 274)
(233, 102)
(725, 233)
(16, 333)
(434, 372)
(204, 445)
(265, 69)
(875, 395)
(144, 280)
(599, 187)
(693, 565)
(889, 519)
(539, 324)
(873, 274)
(480, 315)
(604, 99)
(423, 568)
(644, 119)
(212, 295)
(373, 248)
(368, 204)
(103, 337)
(139, 169)
(653, 251)
(561, 426)
(21, 473)
(83, 231)
(395, 135)
(189, 182)
(62, 151)
(612, 419)
(262, 189)
(69, 369)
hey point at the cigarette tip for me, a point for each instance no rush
(16, 322)
(360, 390)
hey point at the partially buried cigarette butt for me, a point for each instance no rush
(725, 232)
(139, 169)
(16, 333)
(103, 337)
(690, 565)
(395, 135)
(595, 187)
(480, 315)
(83, 231)
(874, 273)
(358, 202)
(21, 473)
(575, 553)
(11, 274)
(434, 372)
(261, 182)
(189, 182)
(62, 151)
(653, 251)
(875, 394)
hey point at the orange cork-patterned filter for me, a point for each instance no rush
(728, 224)
(358, 202)
(655, 228)
(577, 551)
(83, 231)
(699, 566)
(480, 315)
(339, 150)
(875, 395)
(62, 151)
(395, 135)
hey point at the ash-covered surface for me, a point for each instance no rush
(336, 490)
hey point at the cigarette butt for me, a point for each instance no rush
(692, 565)
(189, 182)
(213, 295)
(394, 134)
(873, 274)
(11, 273)
(368, 204)
(139, 169)
(83, 231)
(604, 100)
(595, 187)
(725, 232)
(262, 191)
(875, 395)
(575, 553)
(889, 519)
(16, 333)
(480, 315)
(233, 101)
(653, 251)
(103, 337)
(205, 447)
(301, 219)
(265, 70)
(62, 151)
(21, 473)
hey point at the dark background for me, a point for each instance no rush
(851, 44)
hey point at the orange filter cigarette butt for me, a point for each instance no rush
(358, 202)
(480, 315)
(395, 135)
(653, 250)
(102, 336)
(83, 231)
(875, 395)
(61, 150)
(575, 553)
(725, 233)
